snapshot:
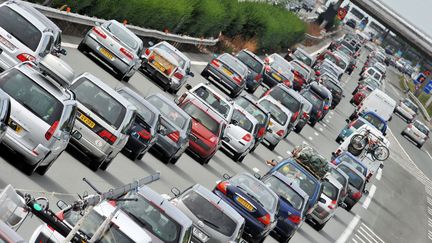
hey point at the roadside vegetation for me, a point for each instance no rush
(423, 97)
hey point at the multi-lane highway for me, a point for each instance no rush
(395, 211)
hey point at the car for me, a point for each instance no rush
(167, 65)
(370, 118)
(251, 105)
(305, 115)
(279, 121)
(372, 72)
(407, 109)
(369, 81)
(115, 45)
(256, 69)
(156, 215)
(277, 70)
(316, 113)
(177, 126)
(417, 132)
(290, 99)
(208, 129)
(239, 134)
(302, 74)
(356, 185)
(350, 159)
(378, 102)
(227, 72)
(9, 235)
(214, 220)
(42, 111)
(342, 178)
(253, 200)
(334, 87)
(325, 95)
(351, 66)
(5, 107)
(25, 35)
(329, 55)
(330, 65)
(303, 56)
(351, 23)
(327, 204)
(145, 127)
(123, 228)
(360, 95)
(103, 120)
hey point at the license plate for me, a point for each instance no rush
(17, 128)
(87, 121)
(245, 204)
(159, 66)
(270, 123)
(227, 72)
(276, 76)
(106, 53)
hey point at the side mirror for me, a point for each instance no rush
(321, 200)
(150, 43)
(62, 204)
(188, 86)
(226, 176)
(175, 191)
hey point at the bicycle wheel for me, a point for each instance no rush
(381, 153)
(359, 142)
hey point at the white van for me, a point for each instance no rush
(372, 72)
(378, 102)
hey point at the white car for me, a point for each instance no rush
(279, 120)
(372, 72)
(407, 109)
(417, 132)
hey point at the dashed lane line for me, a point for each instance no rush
(348, 231)
(379, 174)
(368, 199)
(316, 134)
(310, 138)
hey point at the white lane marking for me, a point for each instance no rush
(430, 234)
(379, 174)
(429, 200)
(371, 231)
(280, 158)
(330, 117)
(310, 138)
(368, 199)
(354, 240)
(430, 222)
(429, 211)
(400, 145)
(256, 170)
(320, 129)
(347, 232)
(316, 134)
(360, 239)
(331, 112)
(306, 143)
(395, 90)
(327, 120)
(196, 63)
(289, 153)
(429, 154)
(324, 125)
(362, 230)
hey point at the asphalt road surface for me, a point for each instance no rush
(396, 211)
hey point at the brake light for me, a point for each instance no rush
(333, 162)
(287, 83)
(60, 215)
(107, 136)
(24, 57)
(332, 204)
(326, 107)
(51, 130)
(175, 136)
(168, 71)
(319, 113)
(266, 60)
(178, 75)
(215, 63)
(296, 73)
(144, 134)
(295, 219)
(265, 219)
(222, 186)
(267, 92)
(237, 79)
(127, 53)
(357, 195)
(267, 68)
(351, 124)
(261, 132)
(294, 117)
(247, 137)
(147, 52)
(100, 32)
(305, 115)
(280, 133)
(258, 77)
(410, 125)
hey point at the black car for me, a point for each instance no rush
(316, 114)
(351, 66)
(325, 94)
(145, 126)
(256, 69)
(228, 72)
(334, 87)
(304, 117)
(4, 112)
(277, 70)
(351, 23)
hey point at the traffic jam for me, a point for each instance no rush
(46, 107)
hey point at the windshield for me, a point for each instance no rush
(251, 62)
(32, 96)
(209, 213)
(168, 112)
(233, 63)
(123, 35)
(411, 105)
(374, 120)
(332, 86)
(286, 99)
(338, 176)
(331, 58)
(300, 178)
(214, 100)
(275, 111)
(330, 190)
(285, 192)
(148, 116)
(300, 69)
(354, 179)
(200, 116)
(181, 61)
(303, 57)
(280, 65)
(20, 28)
(314, 99)
(342, 64)
(422, 128)
(252, 109)
(242, 121)
(100, 102)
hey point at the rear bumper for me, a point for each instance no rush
(272, 138)
(413, 137)
(167, 147)
(200, 149)
(321, 215)
(136, 147)
(224, 80)
(403, 113)
(89, 148)
(159, 76)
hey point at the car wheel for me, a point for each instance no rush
(319, 227)
(312, 124)
(284, 240)
(105, 164)
(349, 207)
(351, 101)
(29, 169)
(205, 74)
(419, 145)
(403, 133)
(354, 92)
(240, 160)
(126, 79)
(82, 47)
(271, 147)
(254, 147)
(139, 157)
(96, 164)
(339, 139)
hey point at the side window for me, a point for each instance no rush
(47, 45)
(129, 124)
(188, 235)
(69, 118)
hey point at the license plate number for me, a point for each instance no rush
(245, 204)
(17, 128)
(106, 53)
(227, 72)
(276, 77)
(87, 121)
(159, 66)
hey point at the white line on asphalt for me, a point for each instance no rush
(430, 222)
(354, 240)
(429, 200)
(330, 117)
(360, 239)
(327, 120)
(379, 174)
(196, 63)
(430, 234)
(429, 211)
(320, 129)
(429, 154)
(324, 125)
(289, 152)
(331, 112)
(280, 158)
(347, 232)
(371, 231)
(304, 142)
(368, 199)
(361, 229)
(400, 145)
(310, 138)
(256, 170)
(316, 134)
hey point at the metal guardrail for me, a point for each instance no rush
(143, 32)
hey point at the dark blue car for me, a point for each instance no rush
(352, 160)
(292, 205)
(254, 201)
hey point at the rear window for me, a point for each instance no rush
(300, 178)
(32, 96)
(176, 56)
(330, 190)
(421, 128)
(331, 58)
(314, 99)
(338, 176)
(148, 116)
(242, 120)
(168, 112)
(302, 57)
(285, 192)
(100, 102)
(200, 116)
(301, 70)
(411, 105)
(353, 163)
(214, 100)
(281, 65)
(123, 35)
(252, 109)
(275, 111)
(332, 86)
(250, 62)
(210, 214)
(354, 179)
(357, 124)
(20, 28)
(375, 121)
(285, 98)
(234, 64)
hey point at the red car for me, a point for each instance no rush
(327, 55)
(360, 95)
(207, 129)
(302, 74)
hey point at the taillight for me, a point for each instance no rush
(144, 134)
(147, 52)
(267, 92)
(100, 32)
(294, 117)
(237, 79)
(267, 68)
(295, 219)
(222, 186)
(178, 75)
(258, 77)
(410, 125)
(305, 115)
(357, 195)
(261, 132)
(175, 136)
(247, 137)
(127, 53)
(266, 60)
(215, 63)
(280, 133)
(287, 83)
(51, 130)
(60, 215)
(265, 219)
(168, 71)
(326, 107)
(332, 204)
(151, 58)
(107, 136)
(319, 113)
(24, 57)
(333, 162)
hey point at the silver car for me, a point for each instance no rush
(4, 113)
(407, 109)
(42, 112)
(168, 65)
(177, 126)
(115, 45)
(213, 219)
(240, 133)
(24, 34)
(103, 120)
(417, 132)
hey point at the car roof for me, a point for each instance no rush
(174, 49)
(170, 103)
(290, 91)
(321, 89)
(36, 13)
(247, 174)
(298, 166)
(132, 34)
(207, 109)
(235, 59)
(252, 55)
(278, 104)
(247, 114)
(291, 183)
(353, 169)
(253, 100)
(421, 123)
(139, 98)
(304, 101)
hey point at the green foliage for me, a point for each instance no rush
(274, 27)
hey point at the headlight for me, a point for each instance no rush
(200, 235)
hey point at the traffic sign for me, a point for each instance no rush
(428, 88)
(420, 79)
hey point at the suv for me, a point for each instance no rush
(5, 107)
(256, 69)
(25, 34)
(42, 112)
(103, 120)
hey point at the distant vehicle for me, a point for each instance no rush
(302, 74)
(256, 69)
(369, 81)
(309, 5)
(407, 109)
(303, 56)
(370, 118)
(228, 72)
(316, 113)
(334, 87)
(418, 132)
(356, 185)
(325, 95)
(168, 65)
(351, 23)
(116, 45)
(177, 126)
(360, 95)
(277, 70)
(5, 107)
(379, 102)
(305, 115)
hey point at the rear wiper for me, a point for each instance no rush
(210, 223)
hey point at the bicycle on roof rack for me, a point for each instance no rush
(368, 143)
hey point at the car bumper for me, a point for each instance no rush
(167, 147)
(272, 138)
(349, 201)
(135, 146)
(285, 229)
(200, 149)
(167, 81)
(414, 137)
(321, 215)
(404, 113)
(235, 146)
(88, 148)
(223, 80)
(252, 84)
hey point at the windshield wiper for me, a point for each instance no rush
(138, 220)
(210, 223)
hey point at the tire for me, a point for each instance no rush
(173, 160)
(42, 170)
(254, 147)
(105, 164)
(204, 161)
(312, 124)
(120, 76)
(351, 101)
(353, 151)
(284, 240)
(354, 92)
(82, 47)
(271, 147)
(205, 74)
(126, 79)
(378, 151)
(353, 116)
(139, 157)
(349, 207)
(319, 227)
(359, 142)
(339, 139)
(236, 157)
(241, 158)
(29, 169)
(419, 145)
(95, 165)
